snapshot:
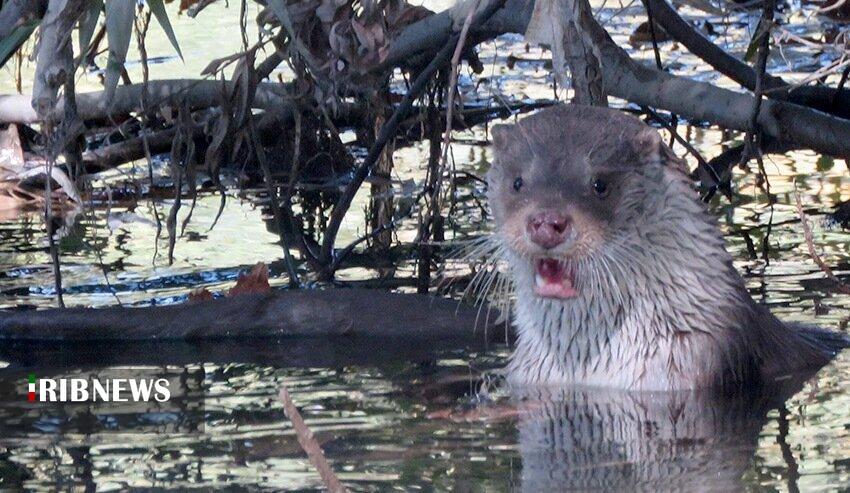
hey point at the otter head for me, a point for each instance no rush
(566, 182)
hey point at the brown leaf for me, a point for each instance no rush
(365, 36)
(184, 4)
(643, 34)
(255, 281)
(200, 294)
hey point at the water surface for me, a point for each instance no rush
(380, 412)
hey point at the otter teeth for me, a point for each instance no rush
(553, 279)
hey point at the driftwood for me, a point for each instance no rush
(297, 313)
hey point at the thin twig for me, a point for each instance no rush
(431, 223)
(810, 243)
(391, 225)
(283, 229)
(450, 100)
(388, 131)
(753, 137)
(309, 444)
(94, 246)
(651, 23)
(48, 219)
(692, 150)
(142, 24)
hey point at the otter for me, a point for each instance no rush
(621, 276)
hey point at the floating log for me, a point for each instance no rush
(295, 313)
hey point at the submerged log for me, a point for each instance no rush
(333, 312)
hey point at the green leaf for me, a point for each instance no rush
(824, 163)
(10, 44)
(88, 22)
(762, 30)
(158, 9)
(119, 27)
(752, 48)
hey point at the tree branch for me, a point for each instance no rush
(624, 78)
(309, 444)
(15, 13)
(388, 131)
(197, 93)
(827, 99)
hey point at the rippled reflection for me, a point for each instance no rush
(369, 402)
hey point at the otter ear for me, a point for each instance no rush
(650, 149)
(647, 145)
(671, 160)
(501, 135)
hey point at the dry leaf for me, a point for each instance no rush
(200, 294)
(255, 281)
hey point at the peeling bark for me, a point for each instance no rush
(54, 65)
(564, 25)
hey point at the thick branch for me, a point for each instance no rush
(433, 32)
(197, 94)
(624, 78)
(18, 12)
(697, 101)
(827, 99)
(53, 65)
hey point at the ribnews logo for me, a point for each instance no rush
(97, 390)
(110, 399)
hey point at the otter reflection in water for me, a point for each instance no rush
(612, 440)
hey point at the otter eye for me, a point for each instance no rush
(518, 183)
(600, 187)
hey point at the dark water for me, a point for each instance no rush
(380, 411)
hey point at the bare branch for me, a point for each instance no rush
(15, 13)
(196, 93)
(834, 101)
(627, 79)
(309, 444)
(810, 243)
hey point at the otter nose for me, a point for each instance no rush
(548, 229)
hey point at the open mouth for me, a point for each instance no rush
(553, 278)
